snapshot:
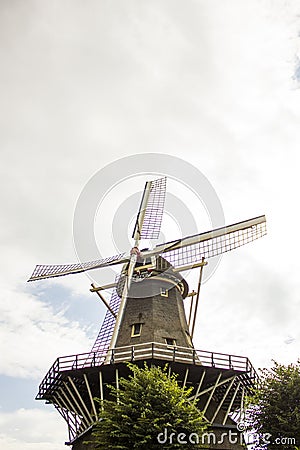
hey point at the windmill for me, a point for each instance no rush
(146, 321)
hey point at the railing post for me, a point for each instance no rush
(132, 353)
(76, 361)
(212, 360)
(194, 356)
(230, 363)
(112, 359)
(152, 349)
(174, 353)
(247, 365)
(94, 359)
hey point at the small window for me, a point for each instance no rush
(171, 341)
(164, 292)
(136, 329)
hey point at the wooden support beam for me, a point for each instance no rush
(199, 386)
(211, 387)
(103, 299)
(81, 399)
(102, 288)
(242, 412)
(65, 413)
(189, 266)
(231, 403)
(87, 417)
(101, 388)
(90, 395)
(185, 377)
(192, 294)
(223, 400)
(212, 393)
(197, 299)
(117, 385)
(74, 407)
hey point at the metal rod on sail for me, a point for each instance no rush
(197, 299)
(192, 295)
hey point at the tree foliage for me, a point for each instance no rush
(146, 404)
(274, 411)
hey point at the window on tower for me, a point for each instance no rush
(136, 329)
(164, 292)
(171, 341)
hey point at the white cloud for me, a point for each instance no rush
(32, 429)
(32, 335)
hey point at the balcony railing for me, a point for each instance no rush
(150, 350)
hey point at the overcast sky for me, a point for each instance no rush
(85, 83)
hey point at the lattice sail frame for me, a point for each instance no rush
(192, 249)
(149, 217)
(49, 271)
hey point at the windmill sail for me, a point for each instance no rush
(147, 226)
(149, 217)
(191, 249)
(49, 271)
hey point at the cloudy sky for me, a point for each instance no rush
(86, 83)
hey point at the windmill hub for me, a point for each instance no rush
(152, 276)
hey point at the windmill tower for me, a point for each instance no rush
(146, 321)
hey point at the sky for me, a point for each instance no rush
(87, 83)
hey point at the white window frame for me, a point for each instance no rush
(133, 334)
(164, 292)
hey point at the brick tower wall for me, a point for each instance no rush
(158, 306)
